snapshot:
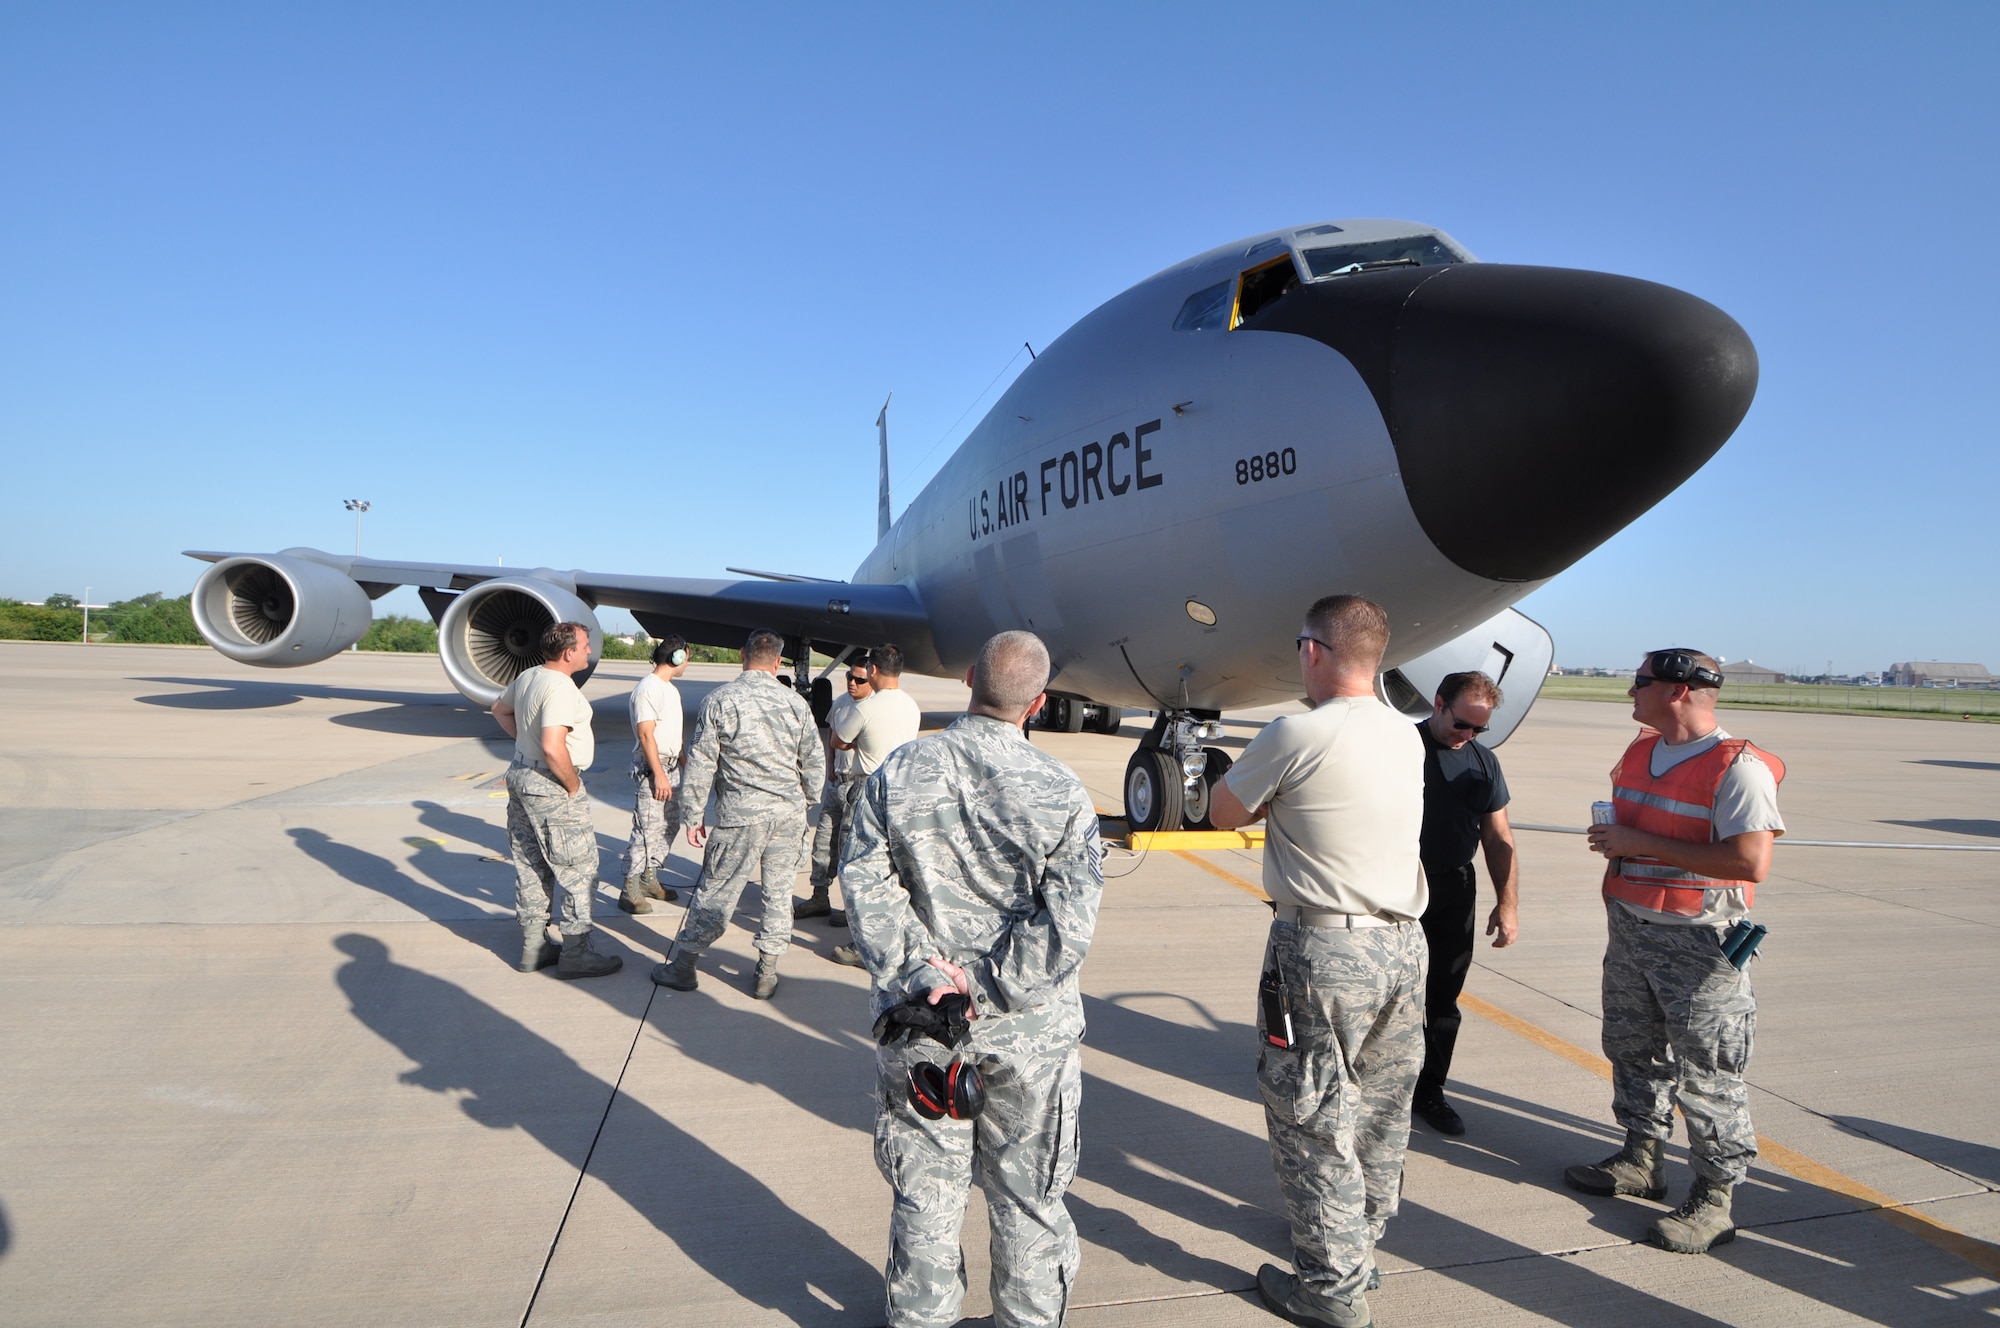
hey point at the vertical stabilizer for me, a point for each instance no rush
(882, 501)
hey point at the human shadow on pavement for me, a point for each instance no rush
(1958, 765)
(1220, 1177)
(493, 838)
(1824, 1246)
(513, 1078)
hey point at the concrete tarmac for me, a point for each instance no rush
(267, 1059)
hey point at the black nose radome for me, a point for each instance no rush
(1535, 411)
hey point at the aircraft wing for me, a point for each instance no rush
(299, 605)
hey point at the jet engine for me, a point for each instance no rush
(279, 610)
(1511, 648)
(492, 633)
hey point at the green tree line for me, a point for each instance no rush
(153, 619)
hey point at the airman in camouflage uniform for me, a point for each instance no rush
(548, 819)
(1342, 789)
(973, 864)
(756, 747)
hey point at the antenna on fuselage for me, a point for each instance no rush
(882, 501)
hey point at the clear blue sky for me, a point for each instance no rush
(621, 287)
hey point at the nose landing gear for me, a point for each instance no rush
(1169, 778)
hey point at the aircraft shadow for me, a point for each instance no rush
(1953, 826)
(1958, 765)
(1979, 1162)
(513, 1078)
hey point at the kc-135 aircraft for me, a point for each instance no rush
(1355, 405)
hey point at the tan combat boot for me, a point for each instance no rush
(580, 961)
(767, 977)
(1290, 1299)
(634, 899)
(1700, 1223)
(536, 950)
(1639, 1168)
(679, 974)
(650, 884)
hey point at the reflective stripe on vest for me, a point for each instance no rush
(1677, 805)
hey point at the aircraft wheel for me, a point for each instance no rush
(1195, 805)
(1107, 720)
(1153, 791)
(1072, 715)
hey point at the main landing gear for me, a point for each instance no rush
(1169, 778)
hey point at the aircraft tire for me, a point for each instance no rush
(1072, 715)
(1107, 722)
(1195, 804)
(1153, 791)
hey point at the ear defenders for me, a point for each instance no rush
(940, 1091)
(672, 652)
(1679, 666)
(679, 657)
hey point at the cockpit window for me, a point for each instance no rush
(1205, 309)
(1417, 250)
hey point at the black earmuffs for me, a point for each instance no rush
(954, 1090)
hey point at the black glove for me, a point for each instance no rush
(945, 1023)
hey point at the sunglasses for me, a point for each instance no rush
(1316, 641)
(1644, 680)
(1465, 727)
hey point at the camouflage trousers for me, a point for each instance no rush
(836, 804)
(768, 851)
(1337, 1104)
(654, 825)
(1678, 1023)
(554, 846)
(1022, 1149)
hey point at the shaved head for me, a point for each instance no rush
(1013, 669)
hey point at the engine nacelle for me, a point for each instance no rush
(492, 633)
(1511, 648)
(278, 610)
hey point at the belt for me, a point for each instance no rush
(1326, 917)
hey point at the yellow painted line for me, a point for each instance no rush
(1541, 1037)
(1229, 876)
(1176, 840)
(480, 775)
(1980, 1254)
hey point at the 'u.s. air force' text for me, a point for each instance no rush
(1093, 473)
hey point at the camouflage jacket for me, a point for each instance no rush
(756, 747)
(975, 846)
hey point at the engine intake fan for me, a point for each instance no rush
(279, 610)
(492, 633)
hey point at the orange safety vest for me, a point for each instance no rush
(1677, 805)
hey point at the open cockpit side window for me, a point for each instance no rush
(1263, 285)
(1360, 256)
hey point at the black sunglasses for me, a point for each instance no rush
(857, 677)
(1643, 680)
(1316, 641)
(1464, 727)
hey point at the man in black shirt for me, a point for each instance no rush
(1465, 808)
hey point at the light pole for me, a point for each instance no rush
(356, 506)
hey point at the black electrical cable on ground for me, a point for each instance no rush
(589, 1153)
